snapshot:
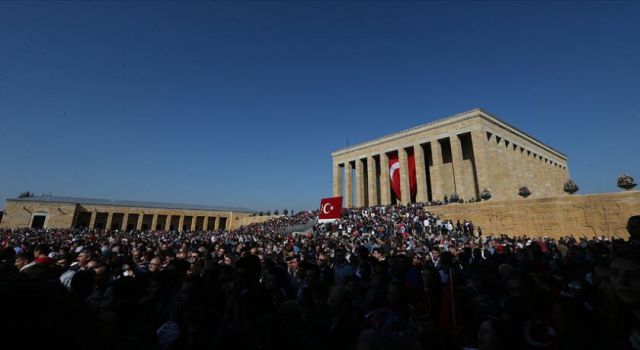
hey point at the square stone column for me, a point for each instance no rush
(125, 221)
(421, 174)
(205, 223)
(437, 193)
(504, 188)
(194, 219)
(167, 223)
(405, 190)
(360, 188)
(385, 188)
(154, 222)
(216, 224)
(337, 185)
(371, 181)
(181, 223)
(348, 183)
(140, 220)
(459, 172)
(481, 159)
(92, 221)
(107, 226)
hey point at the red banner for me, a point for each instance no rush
(394, 174)
(330, 209)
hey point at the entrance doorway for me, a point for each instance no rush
(38, 221)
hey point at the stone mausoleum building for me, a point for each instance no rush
(67, 212)
(462, 154)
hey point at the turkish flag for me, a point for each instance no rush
(394, 174)
(330, 209)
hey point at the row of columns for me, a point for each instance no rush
(490, 161)
(154, 221)
(443, 180)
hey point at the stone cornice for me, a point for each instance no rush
(476, 112)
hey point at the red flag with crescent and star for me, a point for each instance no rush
(330, 209)
(394, 174)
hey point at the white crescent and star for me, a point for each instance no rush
(394, 167)
(325, 210)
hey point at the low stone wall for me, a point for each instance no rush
(253, 219)
(580, 215)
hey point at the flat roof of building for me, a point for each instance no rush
(127, 203)
(457, 117)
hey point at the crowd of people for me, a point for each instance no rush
(389, 277)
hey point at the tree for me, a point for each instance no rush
(285, 212)
(292, 212)
(261, 213)
(276, 212)
(268, 212)
(26, 194)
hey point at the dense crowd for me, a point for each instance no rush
(392, 277)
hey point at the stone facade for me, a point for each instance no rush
(579, 215)
(50, 212)
(248, 220)
(465, 154)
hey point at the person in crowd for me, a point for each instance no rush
(633, 227)
(386, 277)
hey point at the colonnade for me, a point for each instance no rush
(152, 221)
(464, 163)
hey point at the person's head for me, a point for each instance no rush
(136, 254)
(227, 260)
(193, 256)
(292, 262)
(102, 273)
(154, 264)
(41, 250)
(323, 260)
(516, 286)
(435, 253)
(430, 278)
(378, 253)
(274, 278)
(633, 227)
(249, 269)
(22, 259)
(64, 261)
(625, 275)
(83, 258)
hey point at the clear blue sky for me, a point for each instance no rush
(241, 104)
